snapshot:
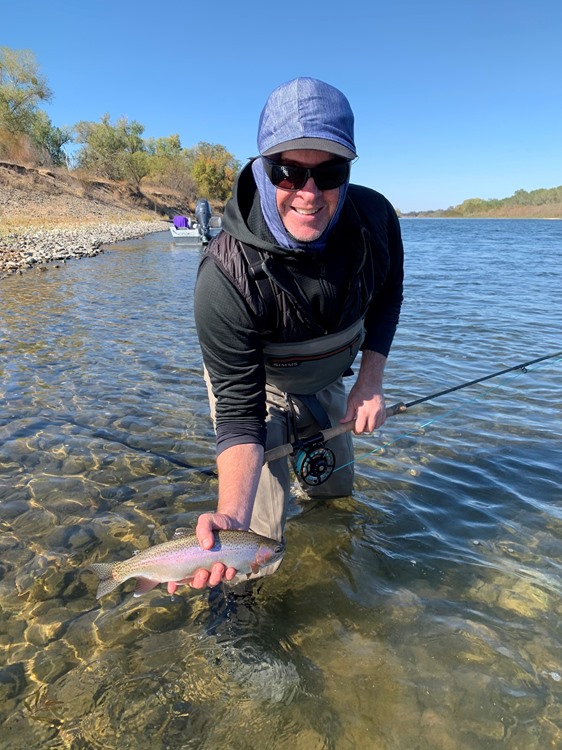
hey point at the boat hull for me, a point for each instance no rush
(192, 236)
(185, 235)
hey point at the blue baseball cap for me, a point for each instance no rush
(306, 113)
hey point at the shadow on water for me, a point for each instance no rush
(423, 612)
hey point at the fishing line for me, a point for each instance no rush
(441, 417)
(520, 370)
(315, 462)
(523, 367)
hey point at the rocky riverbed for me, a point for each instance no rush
(45, 216)
(24, 249)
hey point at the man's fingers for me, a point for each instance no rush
(217, 572)
(204, 578)
(206, 524)
(204, 531)
(200, 579)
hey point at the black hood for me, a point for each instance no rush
(243, 217)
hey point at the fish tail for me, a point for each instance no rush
(104, 572)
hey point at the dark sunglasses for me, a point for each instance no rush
(327, 176)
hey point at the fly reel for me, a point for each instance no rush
(313, 461)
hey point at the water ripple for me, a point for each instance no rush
(432, 594)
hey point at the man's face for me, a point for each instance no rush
(306, 212)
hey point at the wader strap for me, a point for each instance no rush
(263, 282)
(268, 275)
(315, 408)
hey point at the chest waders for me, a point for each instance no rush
(300, 369)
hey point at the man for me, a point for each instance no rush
(307, 271)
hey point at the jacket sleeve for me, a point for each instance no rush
(231, 349)
(383, 314)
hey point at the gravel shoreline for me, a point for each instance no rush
(68, 217)
(25, 248)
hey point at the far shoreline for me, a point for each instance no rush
(488, 218)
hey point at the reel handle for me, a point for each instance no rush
(285, 450)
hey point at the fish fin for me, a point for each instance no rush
(144, 585)
(182, 531)
(104, 572)
(255, 567)
(106, 587)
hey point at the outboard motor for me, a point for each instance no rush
(203, 214)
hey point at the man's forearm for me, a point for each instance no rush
(239, 470)
(371, 371)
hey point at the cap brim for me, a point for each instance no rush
(316, 144)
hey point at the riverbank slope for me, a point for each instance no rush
(48, 215)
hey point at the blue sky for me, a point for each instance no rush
(453, 99)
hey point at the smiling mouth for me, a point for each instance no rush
(306, 211)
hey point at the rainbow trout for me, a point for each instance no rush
(179, 558)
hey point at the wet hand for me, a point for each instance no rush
(367, 408)
(218, 572)
(207, 523)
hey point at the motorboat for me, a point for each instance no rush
(198, 232)
(186, 230)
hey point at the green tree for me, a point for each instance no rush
(136, 163)
(521, 198)
(471, 206)
(171, 165)
(164, 148)
(116, 152)
(101, 148)
(50, 140)
(22, 87)
(214, 170)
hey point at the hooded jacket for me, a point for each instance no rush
(250, 291)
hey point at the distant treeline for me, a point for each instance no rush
(541, 203)
(110, 150)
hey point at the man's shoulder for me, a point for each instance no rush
(367, 196)
(222, 248)
(226, 258)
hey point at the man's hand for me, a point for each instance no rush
(368, 409)
(239, 472)
(365, 403)
(207, 523)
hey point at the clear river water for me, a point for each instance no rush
(422, 613)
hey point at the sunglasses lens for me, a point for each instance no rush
(327, 176)
(288, 178)
(331, 175)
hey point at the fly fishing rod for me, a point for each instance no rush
(314, 461)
